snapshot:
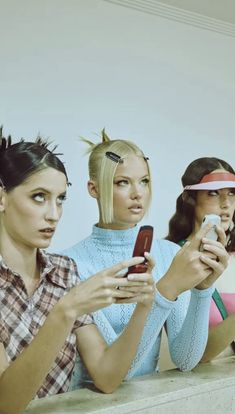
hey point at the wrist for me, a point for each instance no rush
(203, 293)
(144, 307)
(65, 310)
(167, 289)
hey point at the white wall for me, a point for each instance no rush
(71, 67)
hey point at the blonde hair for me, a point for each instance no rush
(102, 169)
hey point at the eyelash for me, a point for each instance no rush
(213, 193)
(34, 197)
(121, 182)
(60, 200)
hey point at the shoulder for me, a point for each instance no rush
(65, 268)
(163, 252)
(61, 260)
(165, 246)
(74, 251)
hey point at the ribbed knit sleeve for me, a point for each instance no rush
(186, 318)
(187, 328)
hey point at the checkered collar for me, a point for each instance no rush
(47, 270)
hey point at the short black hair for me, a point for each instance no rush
(19, 161)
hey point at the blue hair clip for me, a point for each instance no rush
(113, 157)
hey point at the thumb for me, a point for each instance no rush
(196, 240)
(151, 262)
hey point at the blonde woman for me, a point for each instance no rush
(120, 181)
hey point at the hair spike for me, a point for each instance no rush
(42, 142)
(90, 144)
(20, 160)
(45, 143)
(5, 142)
(103, 160)
(104, 136)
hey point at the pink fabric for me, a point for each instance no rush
(229, 302)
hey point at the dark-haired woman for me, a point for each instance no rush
(209, 188)
(43, 306)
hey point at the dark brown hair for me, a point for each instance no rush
(181, 223)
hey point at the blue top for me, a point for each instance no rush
(186, 318)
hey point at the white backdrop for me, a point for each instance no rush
(70, 67)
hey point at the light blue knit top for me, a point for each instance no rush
(186, 318)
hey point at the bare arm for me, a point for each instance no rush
(220, 337)
(109, 365)
(26, 373)
(24, 376)
(3, 359)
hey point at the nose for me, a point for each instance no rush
(53, 212)
(224, 201)
(136, 192)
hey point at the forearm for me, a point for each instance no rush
(152, 329)
(188, 341)
(117, 358)
(25, 375)
(219, 338)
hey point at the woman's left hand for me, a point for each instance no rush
(142, 285)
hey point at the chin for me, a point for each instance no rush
(135, 222)
(43, 244)
(138, 218)
(225, 226)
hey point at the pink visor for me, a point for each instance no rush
(214, 181)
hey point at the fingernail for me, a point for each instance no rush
(131, 277)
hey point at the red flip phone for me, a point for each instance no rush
(143, 244)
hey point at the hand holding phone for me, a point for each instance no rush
(212, 234)
(143, 244)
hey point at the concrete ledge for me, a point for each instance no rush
(209, 388)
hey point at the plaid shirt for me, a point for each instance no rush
(21, 316)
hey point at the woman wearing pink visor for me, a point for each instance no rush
(209, 188)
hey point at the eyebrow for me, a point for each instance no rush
(127, 176)
(44, 190)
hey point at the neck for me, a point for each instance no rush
(114, 226)
(195, 229)
(190, 236)
(19, 258)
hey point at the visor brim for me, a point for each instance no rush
(212, 185)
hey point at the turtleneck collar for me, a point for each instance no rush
(118, 237)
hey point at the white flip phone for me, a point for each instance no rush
(216, 220)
